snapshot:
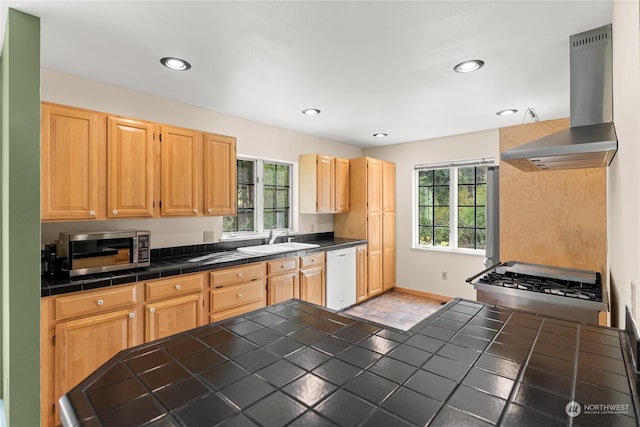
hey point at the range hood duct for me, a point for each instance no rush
(591, 140)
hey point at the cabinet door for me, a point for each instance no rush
(374, 273)
(342, 185)
(83, 345)
(389, 250)
(325, 182)
(374, 184)
(361, 273)
(219, 175)
(129, 168)
(281, 288)
(164, 318)
(180, 171)
(72, 146)
(312, 287)
(374, 244)
(388, 186)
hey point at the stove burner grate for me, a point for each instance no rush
(586, 291)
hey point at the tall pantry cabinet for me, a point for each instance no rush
(372, 216)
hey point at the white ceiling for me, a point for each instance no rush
(370, 66)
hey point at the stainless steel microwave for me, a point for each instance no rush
(102, 251)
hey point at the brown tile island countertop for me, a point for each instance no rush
(294, 363)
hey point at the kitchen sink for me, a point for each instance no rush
(277, 248)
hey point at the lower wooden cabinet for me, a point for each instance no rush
(236, 290)
(361, 273)
(83, 345)
(282, 283)
(312, 278)
(171, 316)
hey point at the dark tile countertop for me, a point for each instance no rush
(168, 262)
(297, 364)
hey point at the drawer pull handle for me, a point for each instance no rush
(152, 310)
(100, 302)
(283, 266)
(209, 210)
(240, 274)
(178, 287)
(132, 315)
(240, 295)
(195, 211)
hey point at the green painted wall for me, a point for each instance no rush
(20, 219)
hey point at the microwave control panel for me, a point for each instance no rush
(143, 248)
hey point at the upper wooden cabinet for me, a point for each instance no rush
(342, 185)
(180, 171)
(324, 184)
(220, 174)
(130, 179)
(72, 163)
(99, 166)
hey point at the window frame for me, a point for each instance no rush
(258, 218)
(453, 205)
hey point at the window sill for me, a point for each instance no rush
(457, 251)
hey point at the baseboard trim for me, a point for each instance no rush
(423, 294)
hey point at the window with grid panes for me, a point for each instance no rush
(245, 218)
(264, 197)
(451, 207)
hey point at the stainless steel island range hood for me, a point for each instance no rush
(591, 140)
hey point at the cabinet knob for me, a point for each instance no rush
(282, 266)
(209, 210)
(132, 315)
(152, 310)
(240, 295)
(240, 274)
(178, 287)
(100, 302)
(115, 211)
(92, 213)
(195, 211)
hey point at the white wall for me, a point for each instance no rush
(254, 139)
(623, 224)
(417, 269)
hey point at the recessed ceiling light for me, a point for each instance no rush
(468, 66)
(311, 111)
(379, 135)
(507, 112)
(175, 63)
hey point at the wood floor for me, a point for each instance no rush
(395, 309)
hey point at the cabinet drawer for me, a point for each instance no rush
(174, 286)
(237, 295)
(93, 302)
(282, 266)
(312, 260)
(237, 274)
(221, 315)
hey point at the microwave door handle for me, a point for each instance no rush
(135, 250)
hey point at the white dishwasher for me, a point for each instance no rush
(341, 278)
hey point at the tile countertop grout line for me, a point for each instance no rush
(575, 373)
(525, 364)
(493, 340)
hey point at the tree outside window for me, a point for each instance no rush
(452, 207)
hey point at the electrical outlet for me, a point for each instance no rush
(208, 236)
(445, 276)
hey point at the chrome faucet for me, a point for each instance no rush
(272, 236)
